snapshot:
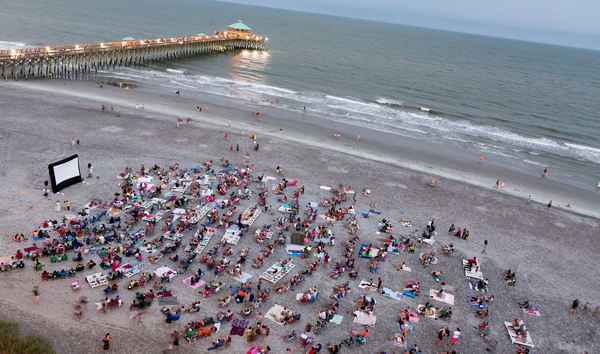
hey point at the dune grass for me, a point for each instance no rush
(11, 341)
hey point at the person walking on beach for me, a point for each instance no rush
(598, 186)
(230, 123)
(497, 183)
(73, 143)
(225, 136)
(358, 137)
(574, 306)
(503, 184)
(480, 159)
(237, 148)
(528, 200)
(35, 295)
(137, 106)
(77, 141)
(106, 341)
(545, 173)
(304, 109)
(455, 336)
(231, 149)
(549, 205)
(91, 170)
(176, 339)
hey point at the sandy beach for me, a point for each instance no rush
(553, 252)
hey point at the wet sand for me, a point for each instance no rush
(552, 251)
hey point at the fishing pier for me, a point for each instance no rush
(74, 61)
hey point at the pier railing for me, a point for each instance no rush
(72, 61)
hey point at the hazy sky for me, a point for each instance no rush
(566, 22)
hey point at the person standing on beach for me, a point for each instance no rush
(106, 341)
(549, 205)
(455, 336)
(137, 106)
(77, 141)
(230, 123)
(529, 200)
(231, 149)
(237, 148)
(91, 170)
(598, 186)
(225, 137)
(574, 306)
(497, 183)
(440, 335)
(358, 137)
(73, 143)
(503, 184)
(304, 109)
(545, 173)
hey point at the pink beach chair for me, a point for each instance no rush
(75, 285)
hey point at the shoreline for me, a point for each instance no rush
(433, 160)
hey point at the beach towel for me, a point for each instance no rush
(473, 286)
(337, 319)
(367, 285)
(244, 278)
(430, 312)
(275, 312)
(364, 319)
(398, 343)
(409, 294)
(195, 286)
(169, 300)
(392, 294)
(536, 312)
(448, 298)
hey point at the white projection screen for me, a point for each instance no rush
(64, 173)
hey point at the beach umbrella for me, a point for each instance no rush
(129, 39)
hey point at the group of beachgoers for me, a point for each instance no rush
(146, 202)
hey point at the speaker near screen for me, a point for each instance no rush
(64, 173)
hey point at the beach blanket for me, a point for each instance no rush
(160, 272)
(244, 278)
(409, 294)
(534, 312)
(275, 313)
(169, 300)
(195, 286)
(448, 298)
(398, 343)
(364, 319)
(372, 253)
(473, 286)
(337, 319)
(430, 312)
(391, 294)
(513, 337)
(367, 285)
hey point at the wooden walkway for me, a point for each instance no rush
(74, 61)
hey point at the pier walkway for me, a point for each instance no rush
(76, 60)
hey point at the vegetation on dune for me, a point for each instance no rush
(12, 342)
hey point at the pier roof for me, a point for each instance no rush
(239, 26)
(129, 39)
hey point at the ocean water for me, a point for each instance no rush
(529, 105)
